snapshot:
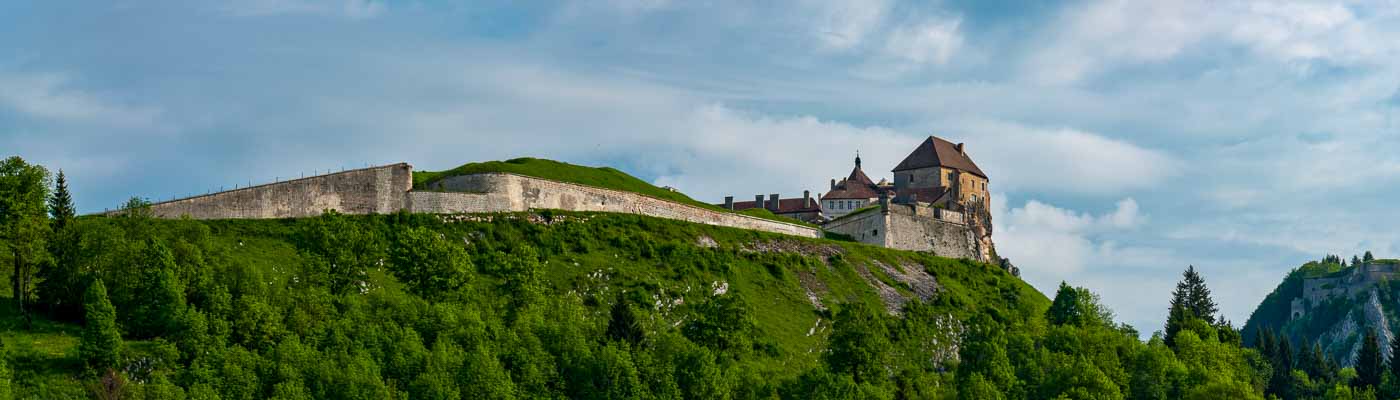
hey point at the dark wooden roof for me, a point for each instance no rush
(935, 151)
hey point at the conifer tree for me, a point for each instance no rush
(1355, 261)
(1281, 383)
(1370, 363)
(1190, 300)
(61, 204)
(60, 286)
(101, 343)
(1367, 258)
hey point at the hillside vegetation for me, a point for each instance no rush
(560, 305)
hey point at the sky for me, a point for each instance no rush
(1124, 140)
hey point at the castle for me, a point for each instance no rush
(1341, 285)
(936, 203)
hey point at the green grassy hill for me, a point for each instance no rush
(600, 177)
(317, 306)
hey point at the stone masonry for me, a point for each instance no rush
(504, 192)
(388, 189)
(913, 227)
(360, 191)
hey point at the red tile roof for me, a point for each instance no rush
(856, 186)
(935, 151)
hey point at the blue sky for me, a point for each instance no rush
(1124, 140)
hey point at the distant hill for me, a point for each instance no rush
(1332, 304)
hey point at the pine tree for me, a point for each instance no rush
(1367, 258)
(60, 286)
(101, 344)
(1190, 300)
(1355, 261)
(61, 204)
(1370, 363)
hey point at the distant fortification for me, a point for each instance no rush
(387, 189)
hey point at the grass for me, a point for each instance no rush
(600, 177)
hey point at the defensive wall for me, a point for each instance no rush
(505, 192)
(361, 191)
(387, 189)
(912, 227)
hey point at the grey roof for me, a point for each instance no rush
(935, 151)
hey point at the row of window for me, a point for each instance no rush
(844, 204)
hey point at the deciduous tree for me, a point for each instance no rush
(24, 224)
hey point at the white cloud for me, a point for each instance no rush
(1025, 158)
(351, 9)
(1110, 34)
(1050, 243)
(51, 96)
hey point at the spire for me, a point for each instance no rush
(857, 159)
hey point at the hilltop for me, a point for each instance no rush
(1332, 304)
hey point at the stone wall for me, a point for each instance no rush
(910, 231)
(362, 191)
(503, 192)
(912, 227)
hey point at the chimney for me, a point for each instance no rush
(729, 203)
(758, 201)
(833, 183)
(773, 202)
(806, 199)
(959, 146)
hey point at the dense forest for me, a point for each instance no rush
(577, 305)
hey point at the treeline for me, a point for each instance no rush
(410, 306)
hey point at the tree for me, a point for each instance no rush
(722, 324)
(623, 324)
(858, 344)
(1370, 363)
(101, 344)
(61, 204)
(24, 224)
(1355, 261)
(162, 296)
(1367, 258)
(6, 387)
(342, 252)
(1190, 300)
(1078, 307)
(431, 265)
(1281, 383)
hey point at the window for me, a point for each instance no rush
(875, 232)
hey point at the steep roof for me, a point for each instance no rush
(855, 186)
(935, 151)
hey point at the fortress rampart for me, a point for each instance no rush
(361, 191)
(388, 189)
(912, 227)
(505, 192)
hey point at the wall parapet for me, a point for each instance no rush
(379, 189)
(509, 192)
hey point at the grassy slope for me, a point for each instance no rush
(649, 259)
(602, 177)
